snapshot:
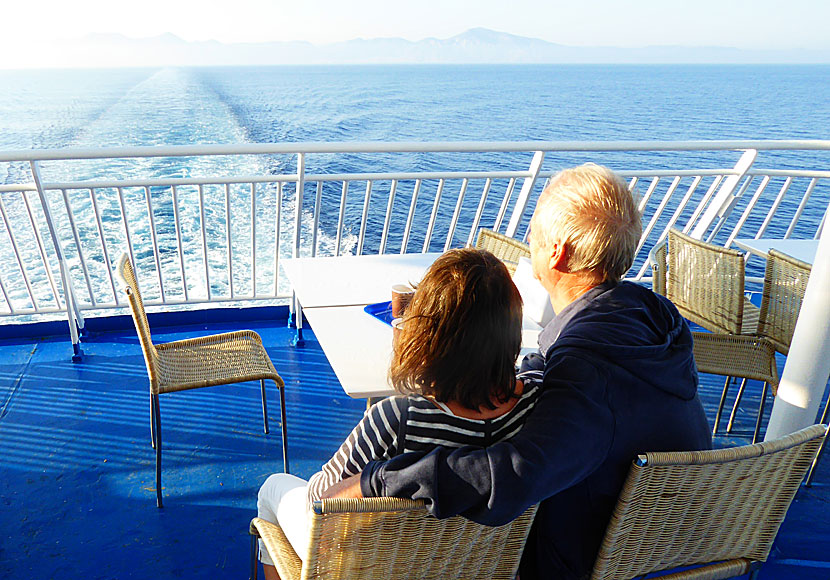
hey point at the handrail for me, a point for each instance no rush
(409, 147)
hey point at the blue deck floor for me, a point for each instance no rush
(77, 489)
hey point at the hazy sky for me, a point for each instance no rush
(738, 23)
(775, 24)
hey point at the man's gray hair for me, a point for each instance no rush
(591, 210)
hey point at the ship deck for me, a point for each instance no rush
(77, 471)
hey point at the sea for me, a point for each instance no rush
(176, 106)
(50, 109)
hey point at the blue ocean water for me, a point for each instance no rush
(48, 108)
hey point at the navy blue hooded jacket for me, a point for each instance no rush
(620, 379)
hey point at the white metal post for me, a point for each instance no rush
(724, 201)
(524, 194)
(72, 313)
(295, 317)
(808, 362)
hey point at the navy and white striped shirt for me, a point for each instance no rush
(399, 424)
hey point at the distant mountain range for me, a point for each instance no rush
(475, 46)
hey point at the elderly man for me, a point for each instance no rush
(619, 377)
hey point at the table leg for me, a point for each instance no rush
(295, 320)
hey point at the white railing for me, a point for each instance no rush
(210, 224)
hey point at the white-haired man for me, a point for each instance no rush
(619, 377)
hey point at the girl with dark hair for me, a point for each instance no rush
(453, 362)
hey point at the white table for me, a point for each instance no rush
(804, 250)
(357, 345)
(353, 280)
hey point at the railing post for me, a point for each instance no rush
(75, 319)
(524, 194)
(723, 202)
(298, 213)
(295, 316)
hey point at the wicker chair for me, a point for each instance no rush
(718, 510)
(505, 248)
(393, 539)
(193, 363)
(706, 283)
(753, 357)
(785, 282)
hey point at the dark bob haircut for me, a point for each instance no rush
(461, 333)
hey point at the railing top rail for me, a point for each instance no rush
(393, 175)
(16, 187)
(401, 176)
(788, 172)
(284, 178)
(406, 147)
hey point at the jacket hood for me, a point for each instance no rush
(638, 331)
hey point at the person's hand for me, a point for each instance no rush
(533, 361)
(349, 488)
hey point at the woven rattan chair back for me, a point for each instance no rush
(396, 539)
(702, 507)
(505, 248)
(706, 283)
(785, 282)
(142, 327)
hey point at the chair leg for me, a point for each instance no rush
(254, 559)
(284, 430)
(720, 405)
(157, 422)
(152, 422)
(760, 414)
(264, 406)
(735, 406)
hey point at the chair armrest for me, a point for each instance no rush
(288, 563)
(657, 261)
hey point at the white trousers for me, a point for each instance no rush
(282, 500)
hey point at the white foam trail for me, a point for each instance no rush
(173, 107)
